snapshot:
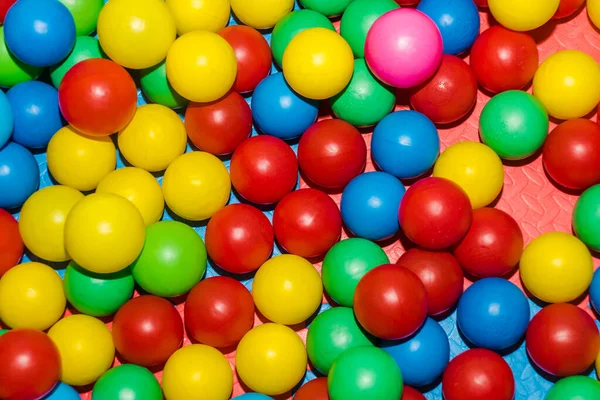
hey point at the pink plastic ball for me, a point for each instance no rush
(404, 48)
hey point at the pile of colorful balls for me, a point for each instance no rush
(185, 212)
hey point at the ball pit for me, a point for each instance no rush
(11, 243)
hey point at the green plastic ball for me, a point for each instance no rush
(514, 124)
(586, 217)
(172, 261)
(13, 71)
(85, 13)
(158, 89)
(365, 101)
(86, 47)
(3, 331)
(346, 263)
(94, 294)
(365, 373)
(358, 19)
(329, 8)
(127, 382)
(575, 388)
(291, 25)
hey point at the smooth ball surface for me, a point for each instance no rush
(14, 71)
(593, 10)
(574, 387)
(329, 8)
(261, 14)
(408, 393)
(312, 390)
(86, 47)
(586, 214)
(7, 122)
(190, 15)
(85, 14)
(523, 16)
(62, 391)
(20, 175)
(595, 291)
(157, 89)
(11, 243)
(127, 381)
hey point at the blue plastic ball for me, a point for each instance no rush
(19, 175)
(422, 357)
(36, 113)
(405, 144)
(493, 313)
(253, 396)
(278, 111)
(458, 21)
(6, 119)
(595, 291)
(370, 205)
(62, 391)
(39, 32)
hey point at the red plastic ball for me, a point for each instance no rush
(11, 244)
(503, 59)
(407, 2)
(147, 330)
(313, 390)
(435, 213)
(331, 153)
(221, 126)
(4, 6)
(562, 340)
(307, 222)
(441, 275)
(572, 154)
(409, 393)
(97, 97)
(30, 365)
(263, 169)
(219, 311)
(449, 94)
(567, 8)
(239, 238)
(492, 246)
(390, 302)
(252, 53)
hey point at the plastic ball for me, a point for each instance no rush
(39, 32)
(574, 388)
(279, 111)
(157, 88)
(85, 346)
(481, 3)
(556, 267)
(331, 153)
(252, 53)
(31, 364)
(85, 14)
(197, 372)
(435, 213)
(31, 296)
(221, 126)
(441, 275)
(404, 48)
(475, 167)
(206, 81)
(313, 390)
(193, 15)
(263, 169)
(329, 8)
(449, 94)
(261, 14)
(503, 60)
(42, 221)
(97, 97)
(173, 259)
(62, 391)
(127, 381)
(147, 330)
(94, 294)
(563, 340)
(478, 374)
(523, 16)
(4, 6)
(408, 393)
(86, 47)
(271, 359)
(7, 122)
(20, 175)
(318, 63)
(365, 373)
(593, 10)
(80, 161)
(595, 291)
(370, 204)
(287, 289)
(568, 84)
(572, 154)
(390, 302)
(196, 185)
(423, 357)
(11, 243)
(365, 101)
(13, 71)
(566, 8)
(219, 311)
(252, 396)
(586, 218)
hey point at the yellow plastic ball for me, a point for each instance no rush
(556, 267)
(136, 33)
(42, 221)
(153, 139)
(593, 9)
(104, 233)
(201, 66)
(80, 161)
(31, 296)
(196, 185)
(86, 348)
(318, 63)
(261, 14)
(197, 372)
(598, 365)
(568, 84)
(287, 289)
(199, 15)
(474, 167)
(271, 359)
(521, 15)
(139, 187)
